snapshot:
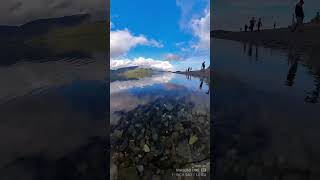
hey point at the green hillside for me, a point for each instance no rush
(87, 37)
(137, 73)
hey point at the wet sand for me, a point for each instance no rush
(306, 38)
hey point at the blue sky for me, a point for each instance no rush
(168, 34)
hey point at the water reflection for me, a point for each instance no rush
(188, 77)
(140, 83)
(293, 59)
(53, 109)
(159, 126)
(313, 96)
(257, 53)
(250, 50)
(265, 128)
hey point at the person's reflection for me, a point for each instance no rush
(314, 95)
(201, 83)
(257, 53)
(292, 73)
(244, 47)
(293, 61)
(250, 50)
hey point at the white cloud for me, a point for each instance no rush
(186, 7)
(201, 29)
(141, 62)
(180, 44)
(155, 43)
(121, 41)
(172, 57)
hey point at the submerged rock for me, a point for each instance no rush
(169, 107)
(140, 169)
(157, 136)
(146, 148)
(118, 133)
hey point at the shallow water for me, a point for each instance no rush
(266, 112)
(53, 113)
(152, 122)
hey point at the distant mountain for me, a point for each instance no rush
(44, 25)
(40, 26)
(130, 73)
(125, 69)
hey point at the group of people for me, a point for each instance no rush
(203, 67)
(252, 24)
(299, 16)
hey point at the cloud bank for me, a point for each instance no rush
(172, 57)
(141, 62)
(122, 41)
(201, 29)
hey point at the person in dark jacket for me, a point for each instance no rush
(299, 14)
(252, 24)
(203, 65)
(259, 24)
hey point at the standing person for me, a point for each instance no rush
(203, 65)
(245, 28)
(274, 25)
(299, 14)
(259, 24)
(252, 23)
(317, 18)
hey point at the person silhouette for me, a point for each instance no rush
(203, 65)
(318, 17)
(259, 24)
(274, 25)
(299, 15)
(245, 28)
(252, 24)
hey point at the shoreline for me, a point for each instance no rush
(199, 73)
(280, 38)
